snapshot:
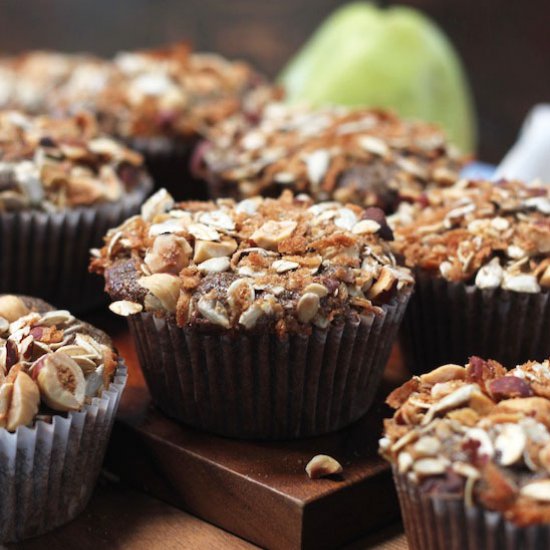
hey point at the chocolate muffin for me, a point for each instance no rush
(367, 157)
(470, 452)
(481, 255)
(62, 186)
(265, 318)
(159, 102)
(60, 385)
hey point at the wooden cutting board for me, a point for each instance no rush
(257, 490)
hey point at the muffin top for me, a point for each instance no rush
(50, 363)
(55, 163)
(479, 432)
(285, 263)
(480, 232)
(367, 157)
(164, 93)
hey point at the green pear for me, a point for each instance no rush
(393, 58)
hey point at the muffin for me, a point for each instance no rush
(470, 453)
(364, 156)
(62, 186)
(266, 318)
(60, 385)
(159, 102)
(480, 252)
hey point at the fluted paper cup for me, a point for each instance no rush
(169, 162)
(261, 386)
(447, 523)
(48, 472)
(47, 254)
(447, 322)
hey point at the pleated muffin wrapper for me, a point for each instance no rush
(47, 254)
(169, 161)
(261, 386)
(48, 472)
(447, 322)
(447, 523)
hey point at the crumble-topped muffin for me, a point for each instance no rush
(485, 233)
(465, 441)
(49, 362)
(265, 318)
(284, 261)
(55, 163)
(60, 385)
(365, 156)
(480, 252)
(63, 184)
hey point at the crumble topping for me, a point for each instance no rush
(493, 235)
(286, 262)
(479, 431)
(165, 92)
(49, 362)
(54, 163)
(368, 157)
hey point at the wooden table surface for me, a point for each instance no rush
(120, 518)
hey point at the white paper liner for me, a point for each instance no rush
(47, 254)
(48, 472)
(446, 523)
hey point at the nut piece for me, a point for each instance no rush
(169, 254)
(509, 387)
(308, 305)
(383, 284)
(271, 233)
(538, 490)
(164, 287)
(125, 308)
(24, 402)
(444, 373)
(157, 204)
(12, 308)
(510, 443)
(204, 250)
(323, 465)
(490, 275)
(61, 382)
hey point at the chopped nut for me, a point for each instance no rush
(384, 283)
(271, 233)
(169, 254)
(308, 305)
(61, 382)
(204, 250)
(322, 466)
(203, 232)
(240, 294)
(444, 373)
(510, 443)
(537, 490)
(316, 288)
(157, 204)
(430, 466)
(281, 266)
(213, 311)
(164, 287)
(363, 227)
(215, 265)
(125, 308)
(12, 308)
(508, 387)
(490, 275)
(25, 398)
(521, 283)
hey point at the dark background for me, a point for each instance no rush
(505, 44)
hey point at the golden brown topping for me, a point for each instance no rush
(493, 235)
(366, 157)
(167, 92)
(285, 261)
(54, 163)
(482, 423)
(47, 355)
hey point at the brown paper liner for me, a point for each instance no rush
(169, 163)
(446, 523)
(259, 386)
(448, 322)
(47, 254)
(48, 472)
